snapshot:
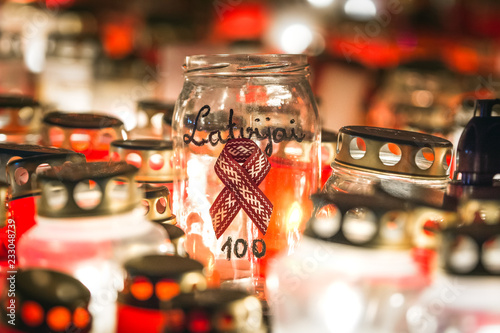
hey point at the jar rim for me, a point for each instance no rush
(246, 65)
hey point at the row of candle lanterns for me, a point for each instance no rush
(237, 178)
(99, 250)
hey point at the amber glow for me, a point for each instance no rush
(141, 289)
(58, 318)
(32, 313)
(81, 318)
(294, 217)
(167, 289)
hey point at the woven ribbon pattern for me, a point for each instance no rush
(241, 167)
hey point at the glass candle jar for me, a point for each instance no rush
(45, 301)
(353, 271)
(398, 161)
(254, 104)
(88, 224)
(152, 280)
(87, 133)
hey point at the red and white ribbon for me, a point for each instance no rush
(241, 186)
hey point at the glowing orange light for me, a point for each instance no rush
(32, 313)
(58, 318)
(142, 289)
(167, 289)
(81, 318)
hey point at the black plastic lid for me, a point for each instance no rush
(165, 277)
(143, 144)
(81, 120)
(155, 104)
(55, 301)
(478, 151)
(16, 101)
(161, 266)
(73, 173)
(208, 299)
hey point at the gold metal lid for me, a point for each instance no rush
(88, 133)
(153, 279)
(394, 151)
(88, 189)
(23, 172)
(12, 151)
(154, 158)
(157, 203)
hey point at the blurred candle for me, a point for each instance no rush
(88, 225)
(87, 133)
(150, 281)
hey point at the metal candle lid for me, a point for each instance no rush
(157, 204)
(12, 151)
(379, 221)
(374, 221)
(88, 189)
(19, 114)
(472, 249)
(23, 172)
(48, 301)
(394, 151)
(152, 157)
(88, 133)
(216, 310)
(154, 279)
(4, 193)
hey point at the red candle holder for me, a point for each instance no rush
(152, 280)
(45, 301)
(88, 133)
(214, 310)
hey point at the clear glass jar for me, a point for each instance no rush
(353, 271)
(264, 98)
(398, 161)
(88, 225)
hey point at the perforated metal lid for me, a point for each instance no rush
(49, 301)
(153, 279)
(152, 157)
(394, 151)
(88, 189)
